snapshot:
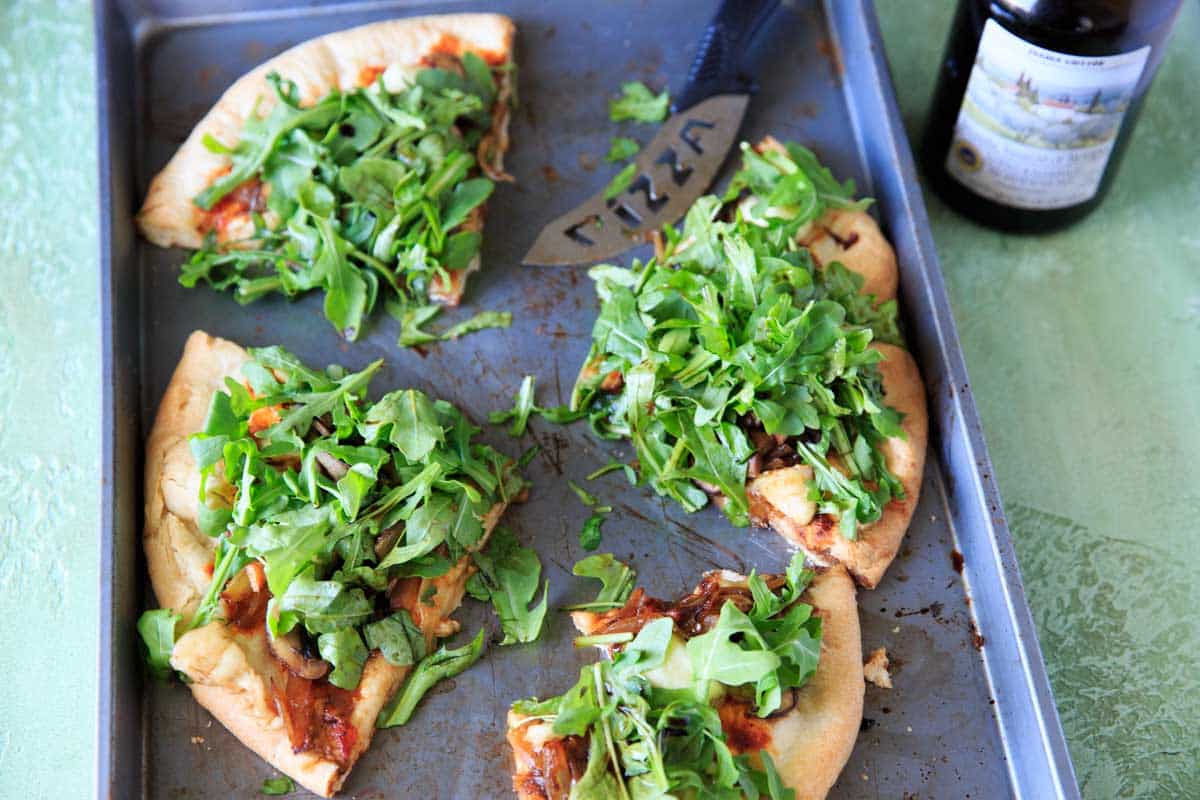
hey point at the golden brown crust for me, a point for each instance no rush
(809, 744)
(812, 743)
(232, 673)
(337, 60)
(868, 556)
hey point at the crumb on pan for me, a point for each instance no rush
(876, 669)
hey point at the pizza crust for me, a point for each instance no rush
(340, 60)
(232, 671)
(811, 742)
(868, 556)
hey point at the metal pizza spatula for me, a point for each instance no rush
(682, 160)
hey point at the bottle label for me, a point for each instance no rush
(1037, 126)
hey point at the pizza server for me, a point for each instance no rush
(680, 163)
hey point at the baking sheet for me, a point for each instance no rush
(971, 714)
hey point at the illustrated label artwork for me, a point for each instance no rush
(1037, 126)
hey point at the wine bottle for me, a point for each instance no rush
(1035, 102)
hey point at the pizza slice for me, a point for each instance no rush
(746, 682)
(748, 367)
(308, 546)
(358, 162)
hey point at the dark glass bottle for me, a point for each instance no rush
(1035, 102)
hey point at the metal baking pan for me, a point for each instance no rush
(972, 713)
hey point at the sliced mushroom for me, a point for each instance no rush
(290, 650)
(387, 539)
(334, 467)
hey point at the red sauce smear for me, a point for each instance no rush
(234, 206)
(451, 45)
(744, 732)
(367, 75)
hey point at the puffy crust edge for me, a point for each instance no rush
(811, 744)
(868, 556)
(168, 217)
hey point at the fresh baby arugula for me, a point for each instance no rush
(639, 104)
(366, 190)
(732, 328)
(649, 741)
(338, 499)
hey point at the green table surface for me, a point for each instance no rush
(1083, 349)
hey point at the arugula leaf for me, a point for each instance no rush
(621, 149)
(639, 104)
(616, 580)
(621, 181)
(397, 638)
(508, 576)
(277, 786)
(410, 421)
(344, 649)
(433, 668)
(479, 322)
(524, 407)
(589, 535)
(157, 629)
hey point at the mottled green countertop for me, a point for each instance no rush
(1083, 349)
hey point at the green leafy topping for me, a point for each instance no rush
(336, 497)
(639, 104)
(620, 181)
(433, 668)
(731, 342)
(622, 149)
(274, 787)
(479, 322)
(524, 407)
(363, 193)
(645, 740)
(589, 535)
(508, 576)
(616, 580)
(157, 629)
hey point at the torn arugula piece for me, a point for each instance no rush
(433, 669)
(589, 535)
(621, 149)
(639, 104)
(347, 515)
(370, 193)
(616, 581)
(730, 353)
(508, 577)
(651, 717)
(277, 786)
(524, 407)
